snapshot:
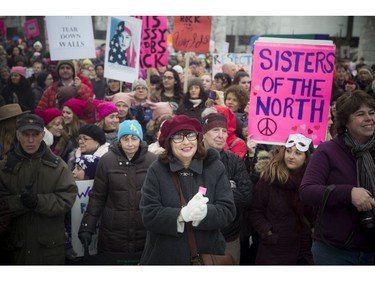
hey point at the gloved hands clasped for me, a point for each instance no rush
(29, 199)
(196, 209)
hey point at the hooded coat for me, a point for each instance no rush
(115, 198)
(37, 236)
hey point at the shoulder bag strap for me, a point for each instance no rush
(191, 238)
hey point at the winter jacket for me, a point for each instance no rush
(242, 189)
(37, 235)
(333, 163)
(115, 197)
(160, 208)
(48, 98)
(274, 207)
(188, 109)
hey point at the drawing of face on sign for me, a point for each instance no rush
(121, 46)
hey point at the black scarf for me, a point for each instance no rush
(365, 163)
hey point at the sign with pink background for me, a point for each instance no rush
(32, 28)
(154, 43)
(290, 91)
(3, 31)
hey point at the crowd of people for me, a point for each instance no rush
(177, 134)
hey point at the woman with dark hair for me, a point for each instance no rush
(339, 182)
(194, 101)
(171, 89)
(205, 186)
(222, 81)
(18, 90)
(42, 82)
(276, 212)
(242, 78)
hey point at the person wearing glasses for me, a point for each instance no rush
(276, 213)
(115, 196)
(205, 186)
(340, 181)
(171, 88)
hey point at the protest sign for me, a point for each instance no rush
(32, 28)
(70, 37)
(78, 209)
(192, 33)
(290, 89)
(123, 41)
(3, 30)
(154, 43)
(242, 61)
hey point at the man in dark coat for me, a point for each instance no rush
(39, 189)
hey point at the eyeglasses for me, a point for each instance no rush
(302, 143)
(168, 77)
(83, 139)
(191, 136)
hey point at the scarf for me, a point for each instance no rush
(195, 102)
(365, 163)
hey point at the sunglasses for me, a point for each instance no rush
(302, 143)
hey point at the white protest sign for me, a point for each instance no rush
(70, 37)
(122, 53)
(240, 60)
(77, 211)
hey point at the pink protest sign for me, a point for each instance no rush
(32, 28)
(290, 91)
(3, 30)
(154, 43)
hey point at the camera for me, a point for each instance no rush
(211, 95)
(367, 219)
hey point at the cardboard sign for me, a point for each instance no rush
(70, 37)
(192, 33)
(154, 43)
(78, 209)
(290, 89)
(123, 48)
(32, 28)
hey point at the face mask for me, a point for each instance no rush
(302, 143)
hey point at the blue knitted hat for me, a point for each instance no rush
(130, 127)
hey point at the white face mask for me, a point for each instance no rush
(302, 143)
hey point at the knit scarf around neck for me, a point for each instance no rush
(365, 163)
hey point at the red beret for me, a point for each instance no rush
(176, 124)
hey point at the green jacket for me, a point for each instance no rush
(37, 236)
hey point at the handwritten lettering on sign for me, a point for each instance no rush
(192, 33)
(291, 90)
(154, 43)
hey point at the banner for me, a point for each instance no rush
(242, 61)
(290, 89)
(154, 43)
(78, 209)
(192, 33)
(70, 37)
(32, 28)
(123, 48)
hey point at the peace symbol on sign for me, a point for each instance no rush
(267, 126)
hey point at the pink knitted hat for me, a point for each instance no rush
(104, 109)
(77, 106)
(124, 97)
(48, 114)
(19, 70)
(162, 108)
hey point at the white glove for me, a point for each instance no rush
(194, 203)
(199, 213)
